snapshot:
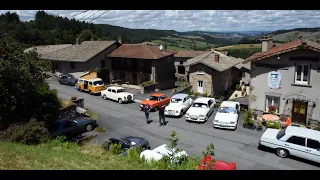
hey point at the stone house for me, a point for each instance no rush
(137, 63)
(79, 58)
(181, 57)
(287, 78)
(211, 73)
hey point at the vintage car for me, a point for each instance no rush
(200, 110)
(208, 163)
(179, 104)
(93, 86)
(159, 152)
(67, 79)
(227, 115)
(117, 94)
(295, 141)
(155, 101)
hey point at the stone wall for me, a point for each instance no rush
(195, 76)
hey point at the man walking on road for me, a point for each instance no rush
(162, 120)
(146, 110)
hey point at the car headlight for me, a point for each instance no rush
(177, 111)
(232, 122)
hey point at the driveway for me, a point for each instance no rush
(239, 146)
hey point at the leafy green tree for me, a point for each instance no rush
(24, 93)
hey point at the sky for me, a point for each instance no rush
(192, 20)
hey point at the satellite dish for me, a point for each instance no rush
(161, 47)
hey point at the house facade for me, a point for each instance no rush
(287, 78)
(81, 57)
(137, 63)
(211, 73)
(180, 59)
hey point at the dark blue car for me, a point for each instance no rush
(72, 127)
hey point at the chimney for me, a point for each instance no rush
(265, 42)
(216, 58)
(119, 40)
(77, 41)
(270, 43)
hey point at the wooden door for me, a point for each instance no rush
(299, 112)
(134, 78)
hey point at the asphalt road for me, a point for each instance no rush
(239, 146)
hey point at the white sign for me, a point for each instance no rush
(274, 80)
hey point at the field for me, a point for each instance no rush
(181, 43)
(239, 46)
(295, 35)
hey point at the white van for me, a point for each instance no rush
(295, 141)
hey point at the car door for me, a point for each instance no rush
(72, 129)
(64, 79)
(313, 150)
(113, 94)
(296, 146)
(185, 104)
(108, 93)
(210, 106)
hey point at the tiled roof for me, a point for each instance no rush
(189, 54)
(224, 52)
(79, 53)
(243, 65)
(47, 48)
(225, 62)
(284, 48)
(139, 51)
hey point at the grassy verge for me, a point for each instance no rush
(61, 156)
(92, 115)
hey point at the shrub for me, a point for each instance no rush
(273, 125)
(238, 87)
(248, 119)
(209, 150)
(32, 132)
(205, 94)
(115, 148)
(221, 98)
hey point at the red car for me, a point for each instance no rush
(208, 163)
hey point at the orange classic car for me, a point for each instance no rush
(155, 101)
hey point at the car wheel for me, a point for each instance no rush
(144, 147)
(120, 101)
(79, 89)
(105, 97)
(88, 127)
(181, 113)
(282, 152)
(155, 108)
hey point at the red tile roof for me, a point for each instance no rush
(284, 48)
(139, 51)
(190, 54)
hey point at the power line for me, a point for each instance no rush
(91, 15)
(84, 16)
(78, 14)
(98, 16)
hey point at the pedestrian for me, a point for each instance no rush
(162, 120)
(146, 109)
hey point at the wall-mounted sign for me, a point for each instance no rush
(274, 80)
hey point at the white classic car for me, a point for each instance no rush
(295, 141)
(200, 109)
(159, 152)
(117, 94)
(179, 104)
(227, 115)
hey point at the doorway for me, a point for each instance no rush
(299, 112)
(134, 78)
(200, 87)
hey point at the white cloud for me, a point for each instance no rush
(190, 20)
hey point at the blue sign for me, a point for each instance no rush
(274, 80)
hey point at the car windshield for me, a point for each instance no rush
(202, 105)
(153, 98)
(227, 110)
(281, 134)
(97, 83)
(176, 100)
(121, 90)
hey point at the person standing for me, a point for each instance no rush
(162, 120)
(146, 109)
